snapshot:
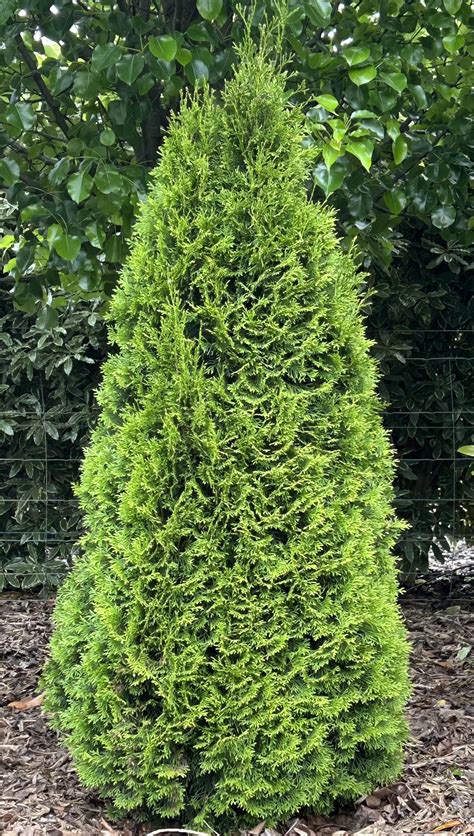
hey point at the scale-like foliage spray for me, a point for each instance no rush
(229, 647)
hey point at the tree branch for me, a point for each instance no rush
(30, 61)
(17, 146)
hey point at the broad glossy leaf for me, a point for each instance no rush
(107, 180)
(79, 186)
(164, 47)
(453, 43)
(196, 71)
(107, 137)
(115, 249)
(362, 149)
(395, 201)
(399, 149)
(443, 217)
(374, 126)
(6, 427)
(360, 204)
(397, 81)
(331, 154)
(319, 11)
(48, 318)
(338, 128)
(105, 56)
(318, 114)
(9, 171)
(356, 55)
(393, 128)
(362, 75)
(467, 450)
(183, 56)
(327, 101)
(86, 84)
(419, 95)
(209, 9)
(364, 114)
(329, 181)
(53, 234)
(95, 235)
(67, 246)
(129, 68)
(20, 116)
(383, 99)
(452, 6)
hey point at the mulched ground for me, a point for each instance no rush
(41, 794)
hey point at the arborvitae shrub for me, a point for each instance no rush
(229, 647)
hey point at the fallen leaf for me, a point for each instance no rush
(447, 825)
(23, 705)
(464, 652)
(447, 665)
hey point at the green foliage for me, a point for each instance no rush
(421, 320)
(78, 136)
(229, 647)
(84, 107)
(46, 380)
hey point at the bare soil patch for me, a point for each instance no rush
(40, 793)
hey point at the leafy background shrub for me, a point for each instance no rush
(47, 379)
(87, 90)
(421, 320)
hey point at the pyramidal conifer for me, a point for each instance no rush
(229, 647)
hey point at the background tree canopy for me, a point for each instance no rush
(86, 90)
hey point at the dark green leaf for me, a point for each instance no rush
(107, 180)
(356, 55)
(397, 81)
(362, 75)
(443, 217)
(129, 68)
(209, 9)
(9, 171)
(79, 186)
(395, 201)
(59, 171)
(196, 71)
(319, 11)
(105, 56)
(48, 318)
(67, 246)
(452, 6)
(164, 47)
(107, 137)
(21, 116)
(362, 149)
(6, 427)
(328, 102)
(400, 149)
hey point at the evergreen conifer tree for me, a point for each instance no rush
(229, 647)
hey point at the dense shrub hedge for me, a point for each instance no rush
(229, 648)
(47, 407)
(421, 320)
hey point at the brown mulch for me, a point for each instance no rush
(40, 793)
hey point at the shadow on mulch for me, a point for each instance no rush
(41, 794)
